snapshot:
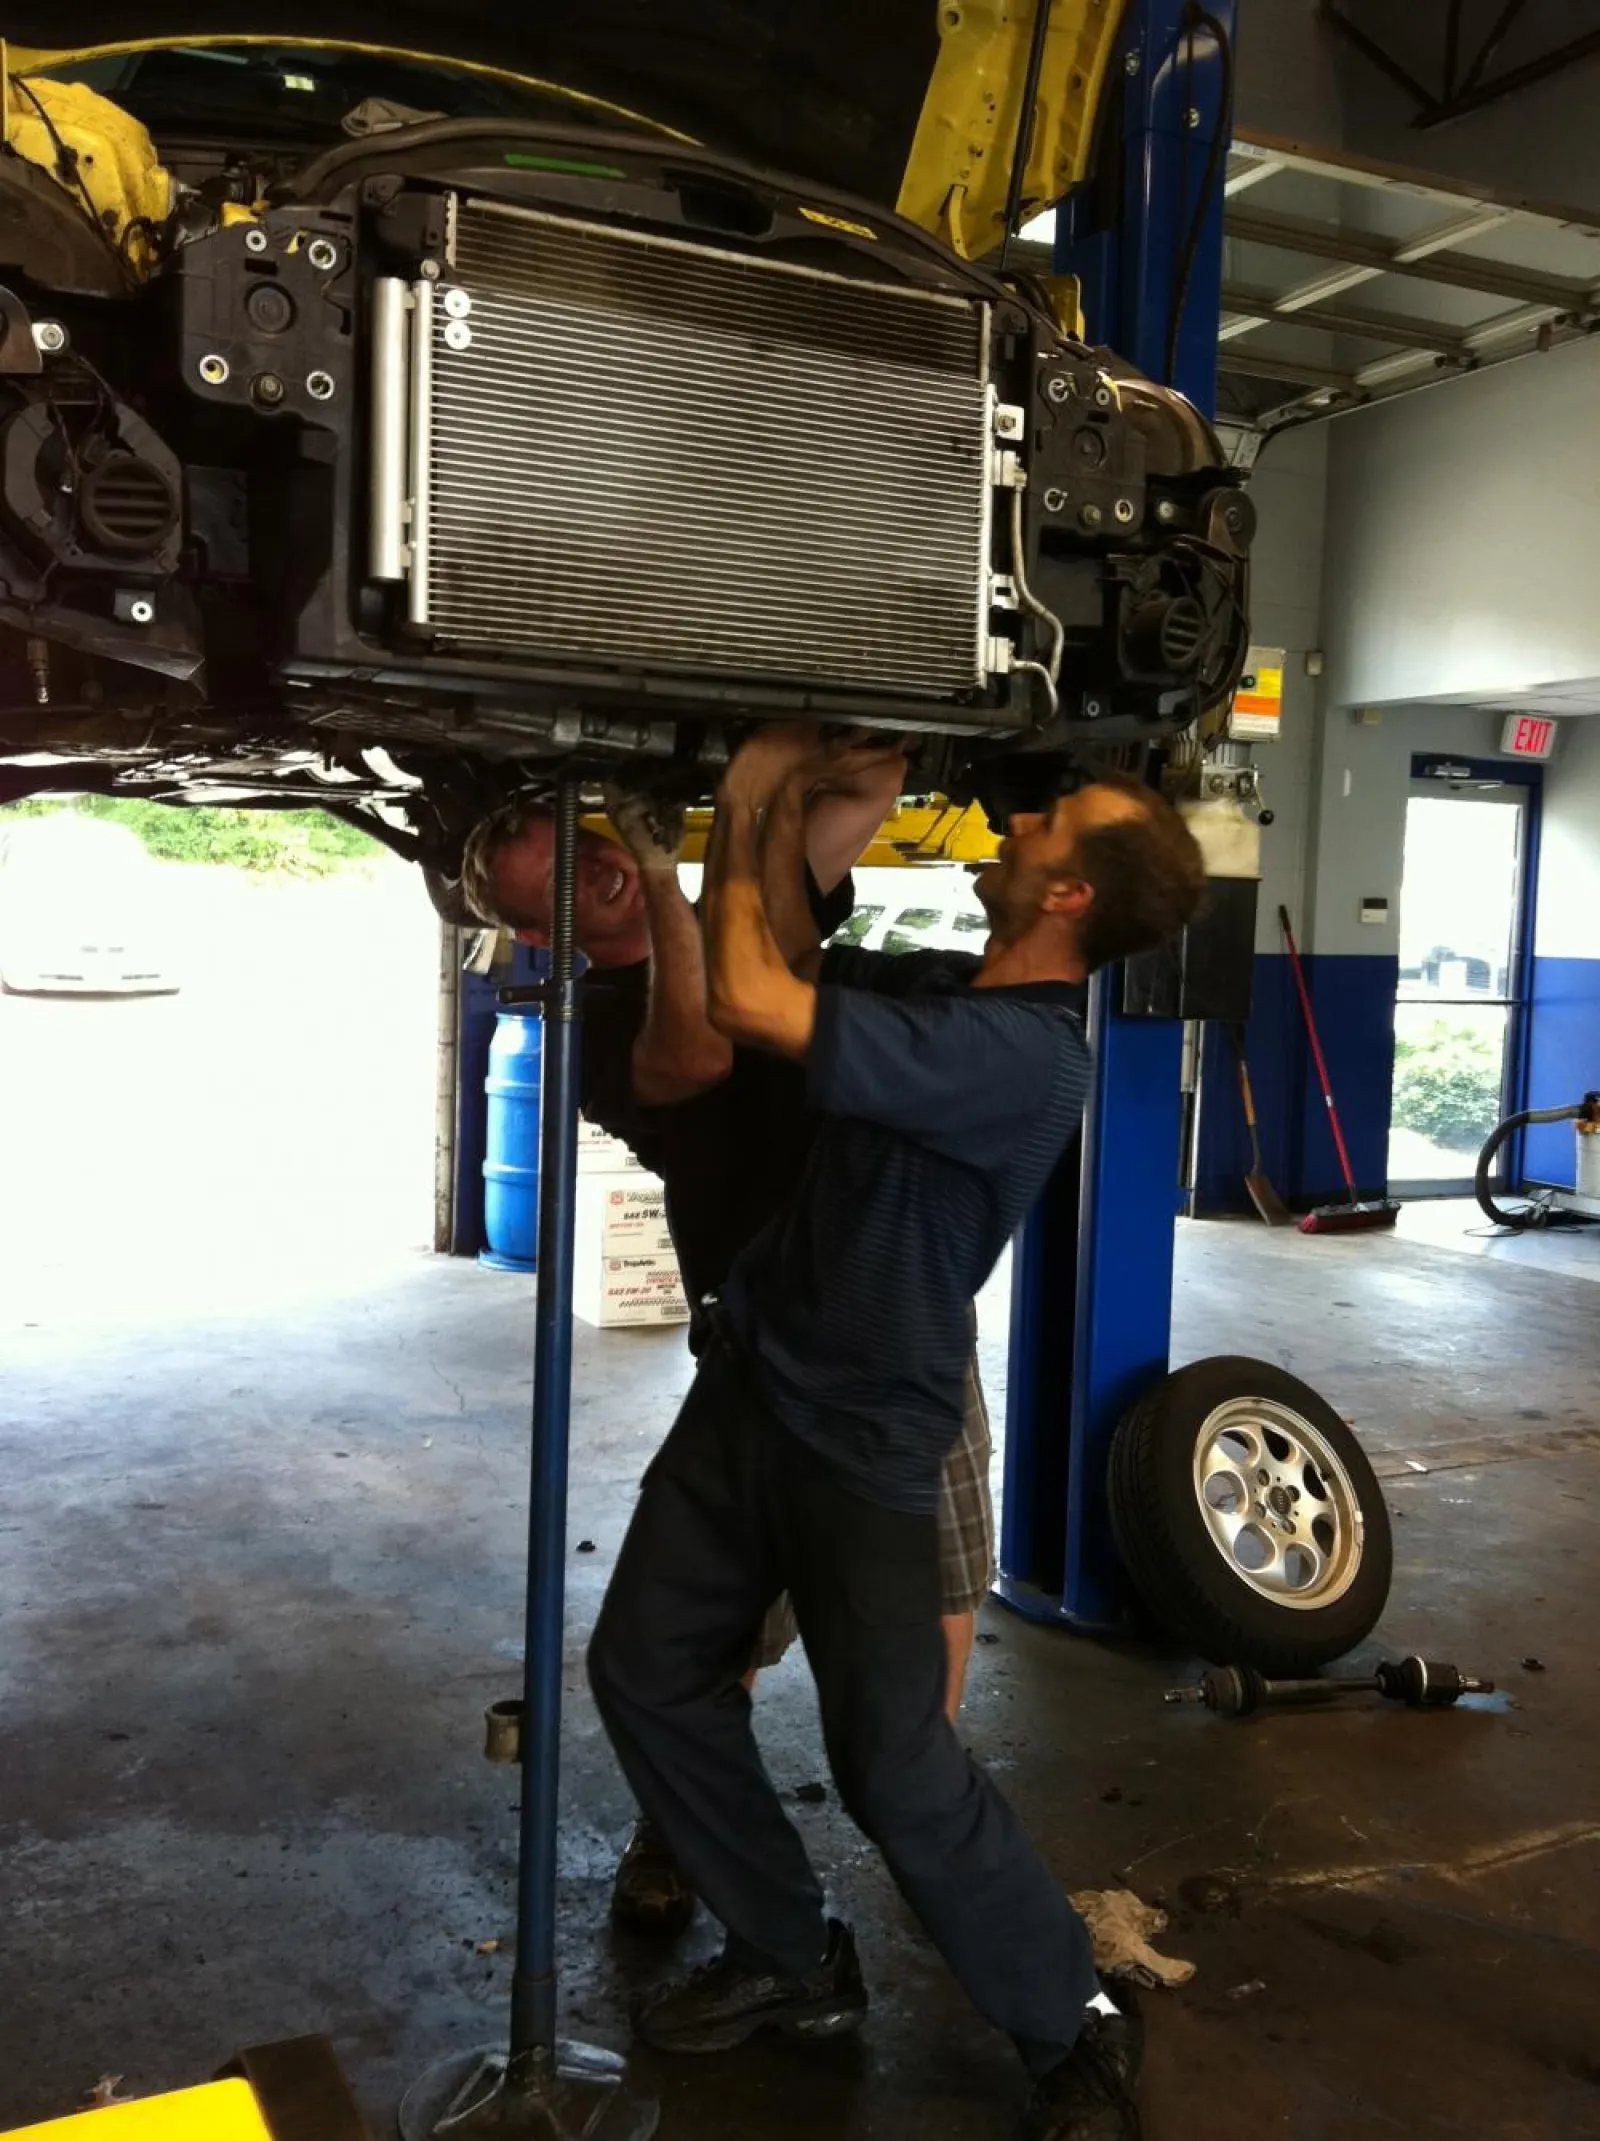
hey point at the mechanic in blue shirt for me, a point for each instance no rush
(807, 1452)
(726, 1129)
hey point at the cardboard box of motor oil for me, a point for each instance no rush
(621, 1214)
(600, 1154)
(613, 1291)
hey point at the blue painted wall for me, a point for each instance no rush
(1354, 1003)
(1564, 1029)
(1277, 1059)
(1563, 1058)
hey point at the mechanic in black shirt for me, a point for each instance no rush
(807, 1452)
(726, 1129)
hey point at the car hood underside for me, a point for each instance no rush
(901, 103)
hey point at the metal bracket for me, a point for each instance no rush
(1006, 472)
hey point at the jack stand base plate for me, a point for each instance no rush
(581, 2094)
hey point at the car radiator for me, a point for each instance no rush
(604, 447)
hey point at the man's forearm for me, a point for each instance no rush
(678, 1052)
(784, 890)
(753, 996)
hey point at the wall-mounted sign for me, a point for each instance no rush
(1528, 736)
(1258, 703)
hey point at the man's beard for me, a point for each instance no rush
(1006, 902)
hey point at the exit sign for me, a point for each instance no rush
(1528, 736)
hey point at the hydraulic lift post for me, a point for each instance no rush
(539, 2086)
(1091, 1311)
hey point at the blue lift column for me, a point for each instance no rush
(1091, 1311)
(536, 2086)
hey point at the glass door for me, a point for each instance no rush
(1458, 1010)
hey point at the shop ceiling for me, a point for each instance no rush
(1347, 281)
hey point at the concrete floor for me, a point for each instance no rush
(259, 1573)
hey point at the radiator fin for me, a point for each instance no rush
(660, 456)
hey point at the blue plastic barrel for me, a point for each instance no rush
(511, 1168)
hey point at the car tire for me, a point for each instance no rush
(1249, 1520)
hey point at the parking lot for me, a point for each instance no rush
(271, 1121)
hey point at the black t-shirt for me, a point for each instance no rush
(729, 1158)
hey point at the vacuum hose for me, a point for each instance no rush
(1521, 1217)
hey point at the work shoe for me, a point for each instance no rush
(726, 2001)
(1089, 2097)
(650, 1894)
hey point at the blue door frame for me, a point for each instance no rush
(1091, 1313)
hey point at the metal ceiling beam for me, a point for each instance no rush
(1492, 43)
(1376, 56)
(1255, 308)
(1421, 258)
(1474, 91)
(1508, 84)
(1452, 47)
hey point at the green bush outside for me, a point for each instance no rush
(1447, 1086)
(297, 843)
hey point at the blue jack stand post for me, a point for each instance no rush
(1092, 1289)
(537, 2085)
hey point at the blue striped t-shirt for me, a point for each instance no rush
(943, 1110)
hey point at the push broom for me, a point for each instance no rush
(1353, 1216)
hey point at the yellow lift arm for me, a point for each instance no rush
(957, 174)
(916, 832)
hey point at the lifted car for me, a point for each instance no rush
(383, 431)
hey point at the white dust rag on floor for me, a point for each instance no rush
(1122, 1927)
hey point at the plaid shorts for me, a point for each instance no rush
(966, 1528)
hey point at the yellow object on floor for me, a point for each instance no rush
(222, 2111)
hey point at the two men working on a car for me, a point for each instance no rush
(727, 1129)
(830, 1389)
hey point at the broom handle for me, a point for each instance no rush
(1316, 1051)
(1247, 1095)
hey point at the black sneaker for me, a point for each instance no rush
(1122, 2034)
(724, 2002)
(1089, 2097)
(650, 1894)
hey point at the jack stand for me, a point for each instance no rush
(537, 2086)
(569, 2092)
